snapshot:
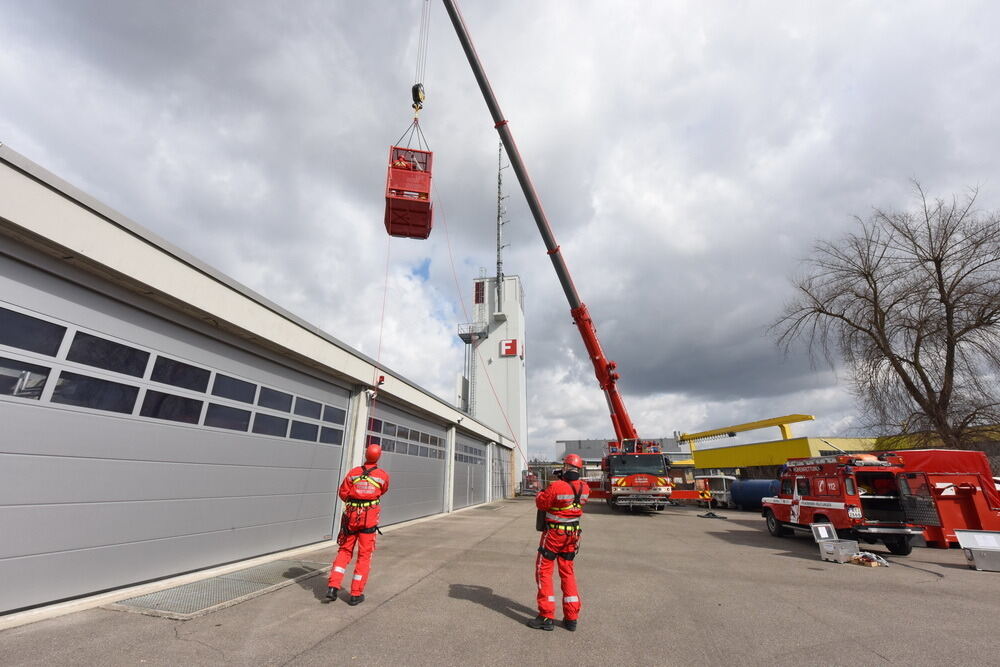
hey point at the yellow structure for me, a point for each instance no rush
(776, 452)
(730, 431)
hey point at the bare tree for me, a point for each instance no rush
(911, 303)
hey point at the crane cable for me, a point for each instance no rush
(422, 41)
(413, 131)
(417, 90)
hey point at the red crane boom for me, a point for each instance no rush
(607, 377)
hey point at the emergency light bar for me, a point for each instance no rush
(847, 460)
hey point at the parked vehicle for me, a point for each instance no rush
(871, 499)
(721, 487)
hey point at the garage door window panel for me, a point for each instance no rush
(94, 393)
(30, 333)
(223, 416)
(234, 389)
(159, 405)
(334, 415)
(265, 424)
(304, 431)
(275, 400)
(306, 408)
(331, 436)
(21, 379)
(108, 355)
(179, 374)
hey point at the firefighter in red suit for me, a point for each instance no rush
(360, 491)
(562, 503)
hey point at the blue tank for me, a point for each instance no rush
(747, 493)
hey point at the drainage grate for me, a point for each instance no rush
(202, 597)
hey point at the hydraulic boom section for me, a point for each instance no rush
(604, 369)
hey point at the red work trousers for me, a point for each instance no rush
(559, 542)
(366, 547)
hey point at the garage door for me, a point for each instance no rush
(414, 456)
(501, 472)
(135, 448)
(470, 472)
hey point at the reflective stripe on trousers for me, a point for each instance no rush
(366, 547)
(557, 541)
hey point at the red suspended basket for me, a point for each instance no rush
(408, 207)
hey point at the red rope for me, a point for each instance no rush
(381, 330)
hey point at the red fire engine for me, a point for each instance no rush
(875, 500)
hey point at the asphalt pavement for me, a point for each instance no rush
(666, 588)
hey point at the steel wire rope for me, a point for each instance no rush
(408, 134)
(422, 41)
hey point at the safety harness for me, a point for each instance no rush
(568, 527)
(360, 506)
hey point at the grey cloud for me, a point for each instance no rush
(687, 157)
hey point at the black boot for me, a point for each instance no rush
(331, 594)
(569, 625)
(356, 599)
(540, 623)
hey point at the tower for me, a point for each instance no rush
(493, 387)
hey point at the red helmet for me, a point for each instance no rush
(372, 453)
(573, 460)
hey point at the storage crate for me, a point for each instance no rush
(981, 549)
(830, 547)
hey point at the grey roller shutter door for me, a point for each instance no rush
(501, 472)
(413, 451)
(109, 471)
(470, 471)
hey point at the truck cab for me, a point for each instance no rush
(634, 476)
(874, 500)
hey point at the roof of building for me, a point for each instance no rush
(161, 271)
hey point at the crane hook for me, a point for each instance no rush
(417, 92)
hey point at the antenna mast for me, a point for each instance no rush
(500, 223)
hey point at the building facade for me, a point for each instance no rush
(160, 418)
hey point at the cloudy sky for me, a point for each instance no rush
(688, 155)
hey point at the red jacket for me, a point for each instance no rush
(360, 488)
(557, 500)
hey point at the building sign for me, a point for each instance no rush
(508, 348)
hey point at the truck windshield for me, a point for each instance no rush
(630, 464)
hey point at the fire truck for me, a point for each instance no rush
(873, 499)
(635, 476)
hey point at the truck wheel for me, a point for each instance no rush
(774, 526)
(900, 546)
(820, 518)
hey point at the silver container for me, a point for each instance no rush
(838, 551)
(981, 548)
